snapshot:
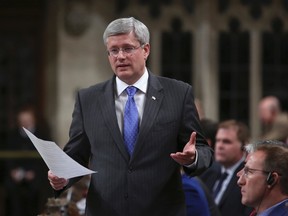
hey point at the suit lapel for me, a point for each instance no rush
(107, 105)
(154, 97)
(211, 176)
(232, 183)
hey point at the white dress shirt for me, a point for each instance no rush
(121, 97)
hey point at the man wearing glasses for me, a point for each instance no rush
(220, 178)
(136, 130)
(264, 179)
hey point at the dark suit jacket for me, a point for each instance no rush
(230, 203)
(148, 183)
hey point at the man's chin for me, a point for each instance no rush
(123, 73)
(244, 201)
(220, 160)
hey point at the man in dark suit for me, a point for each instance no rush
(231, 137)
(264, 178)
(142, 177)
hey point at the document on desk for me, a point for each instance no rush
(56, 159)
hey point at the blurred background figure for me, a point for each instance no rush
(198, 198)
(279, 129)
(199, 108)
(221, 177)
(196, 202)
(210, 129)
(269, 109)
(26, 184)
(72, 202)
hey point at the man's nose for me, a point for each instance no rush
(241, 179)
(121, 54)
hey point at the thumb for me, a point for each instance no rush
(192, 140)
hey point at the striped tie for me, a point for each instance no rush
(131, 120)
(219, 186)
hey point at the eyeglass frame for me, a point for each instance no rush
(246, 171)
(128, 50)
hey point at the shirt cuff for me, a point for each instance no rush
(193, 165)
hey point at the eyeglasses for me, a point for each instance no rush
(125, 50)
(248, 171)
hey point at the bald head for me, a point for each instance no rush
(269, 108)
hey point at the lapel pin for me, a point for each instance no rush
(153, 98)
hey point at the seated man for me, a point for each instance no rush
(264, 178)
(220, 178)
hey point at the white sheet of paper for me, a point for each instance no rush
(56, 159)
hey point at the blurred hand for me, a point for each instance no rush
(56, 182)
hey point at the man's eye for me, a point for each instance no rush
(114, 50)
(128, 49)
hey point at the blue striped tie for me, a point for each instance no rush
(220, 183)
(131, 120)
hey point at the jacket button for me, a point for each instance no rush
(130, 170)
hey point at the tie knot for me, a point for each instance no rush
(131, 90)
(224, 175)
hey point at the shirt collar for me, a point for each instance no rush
(232, 169)
(141, 84)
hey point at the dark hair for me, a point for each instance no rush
(276, 160)
(243, 134)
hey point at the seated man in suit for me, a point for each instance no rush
(264, 178)
(221, 177)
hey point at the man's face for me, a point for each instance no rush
(265, 114)
(252, 180)
(228, 149)
(129, 67)
(26, 119)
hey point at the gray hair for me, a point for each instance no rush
(275, 160)
(252, 147)
(125, 26)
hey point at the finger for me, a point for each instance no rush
(58, 184)
(192, 140)
(55, 181)
(56, 187)
(185, 156)
(180, 154)
(51, 175)
(180, 158)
